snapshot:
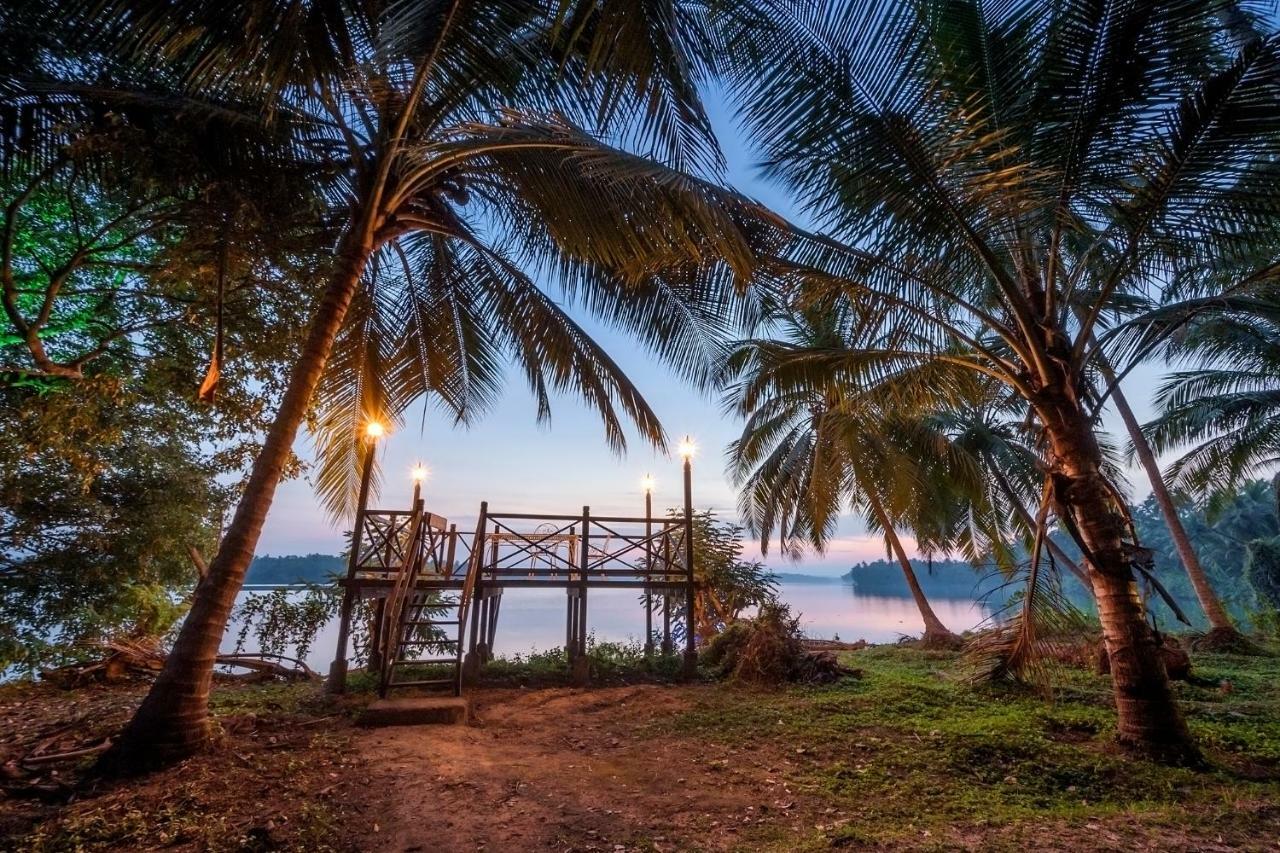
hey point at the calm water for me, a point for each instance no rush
(534, 618)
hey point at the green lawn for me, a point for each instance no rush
(911, 752)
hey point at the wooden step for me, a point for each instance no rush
(417, 710)
(426, 662)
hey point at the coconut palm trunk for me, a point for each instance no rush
(1148, 717)
(173, 720)
(936, 635)
(1222, 630)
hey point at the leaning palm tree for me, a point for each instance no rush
(807, 451)
(982, 171)
(462, 205)
(1223, 633)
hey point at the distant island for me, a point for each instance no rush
(294, 569)
(939, 579)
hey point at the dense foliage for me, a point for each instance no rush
(129, 259)
(1223, 530)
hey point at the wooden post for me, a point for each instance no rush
(570, 619)
(471, 664)
(571, 602)
(667, 647)
(648, 572)
(580, 671)
(494, 606)
(337, 681)
(690, 651)
(451, 553)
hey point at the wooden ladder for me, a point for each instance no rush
(417, 621)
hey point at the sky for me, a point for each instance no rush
(518, 465)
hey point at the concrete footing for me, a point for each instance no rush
(417, 711)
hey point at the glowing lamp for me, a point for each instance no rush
(419, 473)
(646, 483)
(686, 448)
(374, 430)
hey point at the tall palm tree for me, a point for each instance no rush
(400, 100)
(807, 451)
(981, 171)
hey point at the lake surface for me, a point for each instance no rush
(534, 618)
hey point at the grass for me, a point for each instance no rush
(913, 751)
(610, 663)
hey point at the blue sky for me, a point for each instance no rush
(518, 465)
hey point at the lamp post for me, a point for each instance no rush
(687, 449)
(337, 681)
(420, 473)
(646, 483)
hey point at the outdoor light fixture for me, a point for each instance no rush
(419, 473)
(687, 448)
(374, 430)
(646, 483)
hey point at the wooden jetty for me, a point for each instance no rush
(438, 590)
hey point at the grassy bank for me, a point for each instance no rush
(913, 755)
(909, 756)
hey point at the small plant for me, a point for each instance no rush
(727, 585)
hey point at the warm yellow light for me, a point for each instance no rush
(687, 448)
(646, 483)
(419, 473)
(374, 429)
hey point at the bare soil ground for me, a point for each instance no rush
(599, 770)
(574, 769)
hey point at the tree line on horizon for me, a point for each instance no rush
(228, 223)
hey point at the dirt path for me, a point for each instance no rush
(567, 769)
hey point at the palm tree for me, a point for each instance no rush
(399, 101)
(806, 451)
(981, 172)
(1227, 408)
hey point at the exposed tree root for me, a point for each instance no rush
(941, 641)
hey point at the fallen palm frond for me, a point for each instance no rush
(769, 650)
(1037, 630)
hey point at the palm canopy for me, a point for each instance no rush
(453, 297)
(1002, 176)
(1227, 408)
(811, 447)
(468, 205)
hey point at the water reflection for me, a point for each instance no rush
(535, 618)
